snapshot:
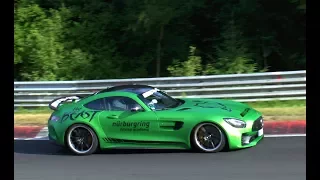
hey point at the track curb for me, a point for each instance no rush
(270, 128)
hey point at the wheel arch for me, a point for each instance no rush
(81, 123)
(212, 122)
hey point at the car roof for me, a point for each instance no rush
(136, 89)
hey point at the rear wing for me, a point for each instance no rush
(54, 104)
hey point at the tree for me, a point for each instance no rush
(37, 44)
(232, 54)
(40, 50)
(155, 15)
(99, 39)
(191, 67)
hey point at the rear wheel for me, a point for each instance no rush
(208, 137)
(81, 139)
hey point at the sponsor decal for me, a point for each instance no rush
(132, 126)
(149, 93)
(76, 109)
(116, 140)
(77, 114)
(205, 104)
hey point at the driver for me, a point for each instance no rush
(119, 105)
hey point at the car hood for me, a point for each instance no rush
(217, 106)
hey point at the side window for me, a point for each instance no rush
(121, 104)
(98, 104)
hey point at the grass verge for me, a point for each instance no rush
(273, 110)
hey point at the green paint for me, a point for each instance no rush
(169, 128)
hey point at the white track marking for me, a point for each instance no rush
(285, 135)
(42, 133)
(36, 138)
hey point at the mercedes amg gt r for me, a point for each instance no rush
(141, 116)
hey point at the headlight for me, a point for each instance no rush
(54, 118)
(235, 122)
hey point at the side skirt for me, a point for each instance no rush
(124, 143)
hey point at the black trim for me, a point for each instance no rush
(178, 125)
(183, 109)
(106, 99)
(124, 88)
(116, 140)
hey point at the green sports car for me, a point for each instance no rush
(140, 116)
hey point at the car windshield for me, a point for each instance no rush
(158, 100)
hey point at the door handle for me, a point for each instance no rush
(112, 117)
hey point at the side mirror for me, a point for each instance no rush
(136, 109)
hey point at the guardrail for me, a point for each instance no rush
(290, 85)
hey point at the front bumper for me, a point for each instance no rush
(248, 137)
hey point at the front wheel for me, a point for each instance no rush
(81, 140)
(208, 137)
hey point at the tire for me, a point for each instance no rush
(78, 139)
(203, 143)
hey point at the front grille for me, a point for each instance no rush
(257, 124)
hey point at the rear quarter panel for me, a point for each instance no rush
(75, 114)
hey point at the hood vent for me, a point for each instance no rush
(245, 112)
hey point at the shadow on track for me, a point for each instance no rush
(46, 148)
(38, 147)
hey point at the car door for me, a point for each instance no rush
(125, 120)
(170, 122)
(172, 127)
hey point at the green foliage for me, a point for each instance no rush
(301, 4)
(40, 53)
(37, 42)
(184, 95)
(98, 39)
(74, 65)
(278, 103)
(233, 57)
(190, 67)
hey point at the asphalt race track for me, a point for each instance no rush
(273, 159)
